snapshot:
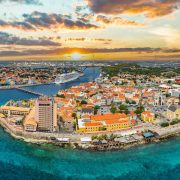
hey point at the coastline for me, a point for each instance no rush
(25, 85)
(45, 138)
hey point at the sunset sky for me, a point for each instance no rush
(89, 29)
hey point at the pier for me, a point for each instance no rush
(29, 91)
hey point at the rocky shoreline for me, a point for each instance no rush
(109, 146)
(120, 146)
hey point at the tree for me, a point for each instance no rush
(113, 110)
(94, 137)
(74, 125)
(123, 107)
(61, 95)
(96, 108)
(168, 95)
(74, 115)
(133, 102)
(165, 124)
(112, 137)
(139, 110)
(83, 102)
(169, 82)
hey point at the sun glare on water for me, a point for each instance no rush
(76, 56)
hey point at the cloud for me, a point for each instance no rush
(28, 52)
(40, 21)
(9, 39)
(34, 2)
(116, 21)
(75, 39)
(87, 39)
(66, 50)
(151, 8)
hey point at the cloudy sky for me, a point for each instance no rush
(89, 29)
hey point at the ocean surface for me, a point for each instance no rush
(20, 160)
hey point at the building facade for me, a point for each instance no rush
(46, 114)
(173, 112)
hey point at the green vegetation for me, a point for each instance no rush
(61, 95)
(74, 125)
(113, 109)
(165, 124)
(123, 109)
(93, 94)
(177, 70)
(74, 115)
(139, 110)
(110, 137)
(114, 70)
(135, 69)
(96, 108)
(94, 137)
(83, 102)
(175, 122)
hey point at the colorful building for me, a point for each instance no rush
(173, 112)
(105, 122)
(148, 116)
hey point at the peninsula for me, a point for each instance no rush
(126, 105)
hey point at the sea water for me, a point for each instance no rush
(20, 160)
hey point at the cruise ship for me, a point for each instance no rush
(67, 77)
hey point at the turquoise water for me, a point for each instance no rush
(19, 160)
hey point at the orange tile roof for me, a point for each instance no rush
(132, 113)
(65, 109)
(104, 117)
(115, 121)
(148, 113)
(91, 124)
(86, 116)
(133, 121)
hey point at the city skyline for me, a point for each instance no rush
(89, 29)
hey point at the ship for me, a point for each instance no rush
(67, 77)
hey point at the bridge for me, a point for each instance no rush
(29, 91)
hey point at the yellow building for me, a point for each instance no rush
(106, 122)
(112, 125)
(148, 116)
(30, 123)
(173, 112)
(88, 127)
(13, 110)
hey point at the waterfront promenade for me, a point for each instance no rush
(75, 138)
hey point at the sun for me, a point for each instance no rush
(76, 56)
